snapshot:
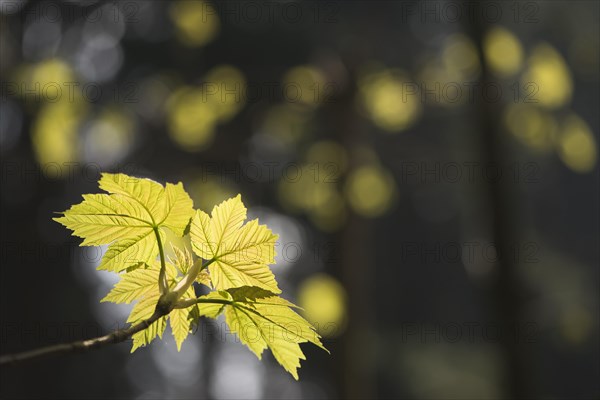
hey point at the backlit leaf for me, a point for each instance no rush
(128, 218)
(261, 320)
(240, 254)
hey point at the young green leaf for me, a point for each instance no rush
(142, 285)
(262, 319)
(143, 310)
(240, 254)
(129, 218)
(183, 261)
(180, 321)
(134, 285)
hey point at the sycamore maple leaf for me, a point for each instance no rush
(129, 218)
(240, 254)
(262, 319)
(183, 261)
(141, 285)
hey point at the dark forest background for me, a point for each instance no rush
(431, 169)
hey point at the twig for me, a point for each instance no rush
(81, 346)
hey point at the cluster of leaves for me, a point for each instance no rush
(232, 260)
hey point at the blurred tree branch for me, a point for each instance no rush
(83, 346)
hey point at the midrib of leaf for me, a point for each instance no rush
(208, 242)
(227, 274)
(303, 336)
(235, 309)
(162, 275)
(241, 303)
(153, 224)
(169, 209)
(239, 249)
(118, 215)
(222, 235)
(244, 308)
(116, 199)
(135, 243)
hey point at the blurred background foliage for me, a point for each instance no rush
(375, 137)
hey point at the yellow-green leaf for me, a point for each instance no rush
(148, 193)
(128, 218)
(134, 285)
(143, 310)
(264, 320)
(140, 282)
(101, 219)
(180, 325)
(182, 259)
(241, 254)
(179, 210)
(204, 278)
(212, 310)
(127, 252)
(146, 336)
(181, 320)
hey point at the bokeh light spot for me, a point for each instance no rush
(323, 299)
(191, 119)
(108, 138)
(547, 77)
(330, 158)
(576, 145)
(370, 190)
(390, 100)
(55, 133)
(503, 51)
(224, 86)
(304, 85)
(196, 22)
(460, 57)
(532, 126)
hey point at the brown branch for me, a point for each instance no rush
(81, 346)
(166, 303)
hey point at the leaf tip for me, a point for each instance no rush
(294, 373)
